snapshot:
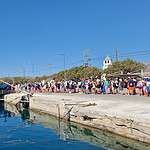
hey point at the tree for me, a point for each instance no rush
(78, 72)
(126, 66)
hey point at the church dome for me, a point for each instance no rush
(107, 58)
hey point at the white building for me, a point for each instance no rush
(107, 62)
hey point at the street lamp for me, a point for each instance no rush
(64, 59)
(50, 66)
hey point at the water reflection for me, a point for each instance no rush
(73, 132)
(24, 113)
(5, 113)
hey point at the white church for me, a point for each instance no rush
(107, 62)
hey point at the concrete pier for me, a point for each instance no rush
(127, 116)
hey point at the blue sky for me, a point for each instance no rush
(34, 32)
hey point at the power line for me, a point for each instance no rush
(137, 54)
(87, 59)
(133, 52)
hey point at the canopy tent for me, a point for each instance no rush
(4, 86)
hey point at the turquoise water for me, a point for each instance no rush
(23, 129)
(18, 133)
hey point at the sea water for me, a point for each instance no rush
(28, 130)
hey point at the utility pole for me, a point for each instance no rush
(86, 58)
(24, 72)
(117, 54)
(64, 62)
(33, 70)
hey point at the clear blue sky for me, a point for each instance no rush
(34, 32)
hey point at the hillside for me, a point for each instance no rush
(78, 72)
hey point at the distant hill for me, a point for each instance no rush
(78, 72)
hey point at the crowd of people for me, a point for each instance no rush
(128, 86)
